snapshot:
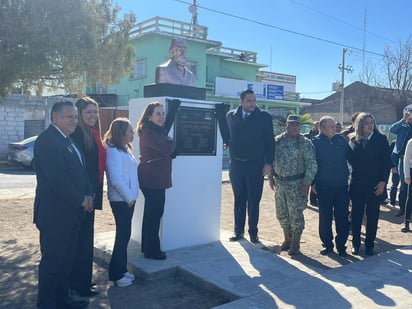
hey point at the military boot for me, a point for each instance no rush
(295, 244)
(288, 239)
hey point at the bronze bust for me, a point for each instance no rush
(174, 71)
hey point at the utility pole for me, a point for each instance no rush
(193, 10)
(342, 85)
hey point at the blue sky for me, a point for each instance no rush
(335, 24)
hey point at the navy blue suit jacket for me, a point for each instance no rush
(252, 138)
(62, 181)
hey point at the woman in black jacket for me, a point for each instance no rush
(371, 164)
(87, 137)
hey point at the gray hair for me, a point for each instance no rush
(324, 119)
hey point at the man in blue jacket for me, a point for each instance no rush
(403, 131)
(251, 150)
(331, 185)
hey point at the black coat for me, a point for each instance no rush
(252, 138)
(62, 181)
(370, 164)
(92, 165)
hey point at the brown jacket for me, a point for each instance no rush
(155, 167)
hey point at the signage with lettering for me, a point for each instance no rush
(233, 88)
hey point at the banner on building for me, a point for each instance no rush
(233, 87)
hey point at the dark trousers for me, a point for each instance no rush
(57, 246)
(82, 270)
(394, 188)
(123, 217)
(313, 198)
(333, 202)
(247, 185)
(364, 201)
(408, 207)
(403, 190)
(154, 205)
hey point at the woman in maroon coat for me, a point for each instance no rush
(155, 168)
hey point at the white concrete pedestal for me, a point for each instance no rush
(192, 209)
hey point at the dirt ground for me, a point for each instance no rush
(19, 255)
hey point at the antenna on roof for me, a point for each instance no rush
(193, 10)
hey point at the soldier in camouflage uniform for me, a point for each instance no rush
(294, 168)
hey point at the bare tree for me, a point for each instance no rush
(369, 75)
(398, 69)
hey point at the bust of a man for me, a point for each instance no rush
(174, 71)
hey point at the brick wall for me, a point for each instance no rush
(11, 126)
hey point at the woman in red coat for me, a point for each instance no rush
(155, 168)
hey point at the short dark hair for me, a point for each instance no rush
(58, 106)
(245, 92)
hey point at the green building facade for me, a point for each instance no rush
(209, 60)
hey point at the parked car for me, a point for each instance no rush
(22, 152)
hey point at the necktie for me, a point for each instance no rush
(76, 150)
(364, 142)
(245, 115)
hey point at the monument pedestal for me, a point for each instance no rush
(173, 90)
(192, 209)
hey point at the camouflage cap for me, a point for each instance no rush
(293, 118)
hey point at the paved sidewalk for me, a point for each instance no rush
(257, 278)
(261, 279)
(251, 276)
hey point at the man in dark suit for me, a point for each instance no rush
(251, 149)
(62, 195)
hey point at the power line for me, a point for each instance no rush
(315, 92)
(342, 21)
(284, 29)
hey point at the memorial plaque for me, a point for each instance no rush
(195, 131)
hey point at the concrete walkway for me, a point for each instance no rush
(257, 278)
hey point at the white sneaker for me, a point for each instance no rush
(129, 276)
(123, 282)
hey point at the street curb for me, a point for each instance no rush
(7, 163)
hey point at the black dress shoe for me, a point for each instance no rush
(73, 304)
(405, 227)
(355, 250)
(254, 239)
(236, 237)
(86, 293)
(369, 251)
(326, 251)
(342, 253)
